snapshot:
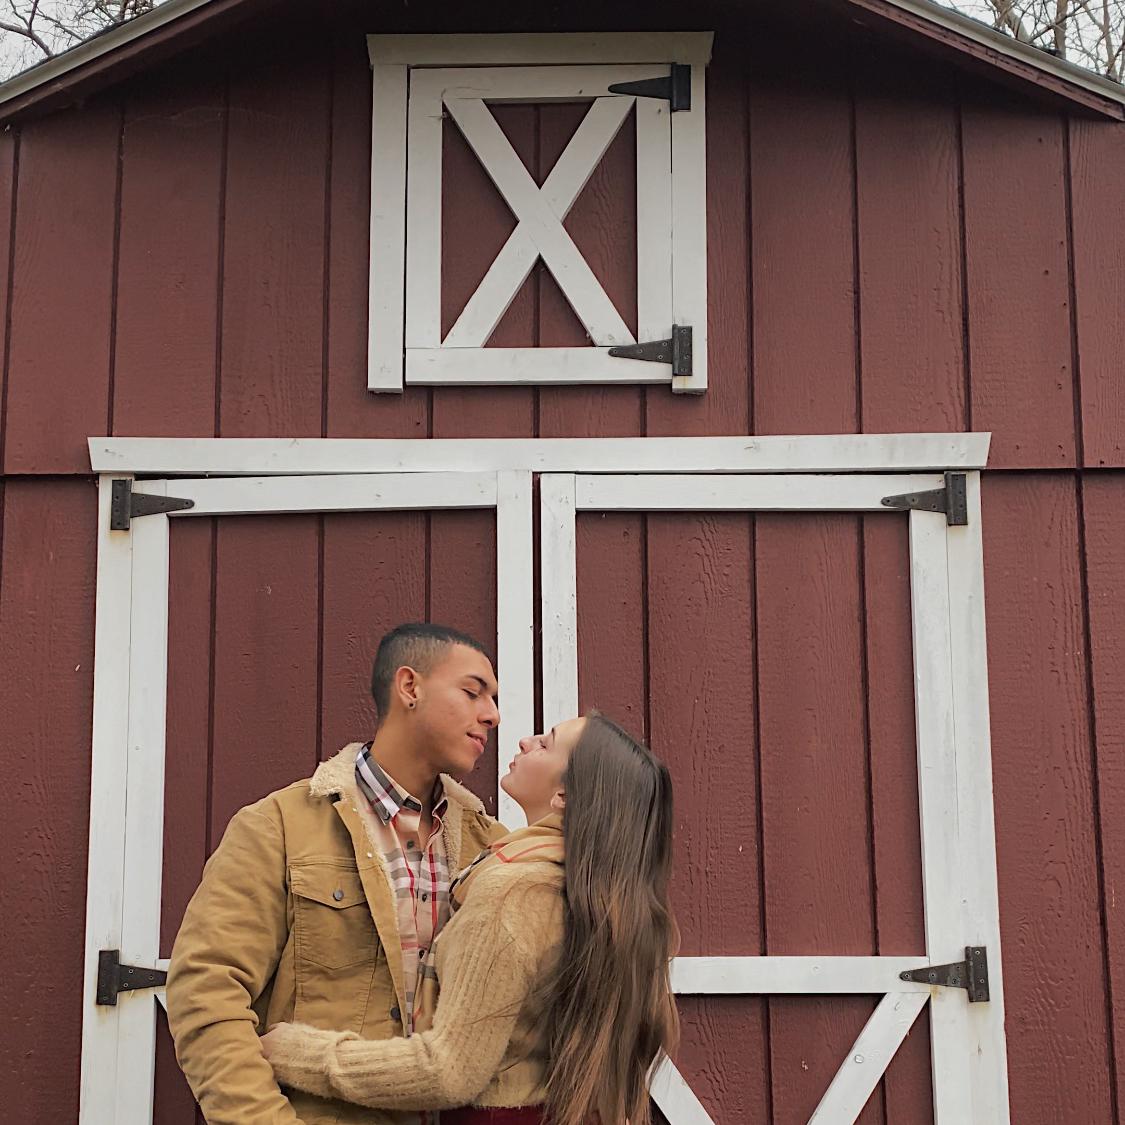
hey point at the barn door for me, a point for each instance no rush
(742, 621)
(284, 620)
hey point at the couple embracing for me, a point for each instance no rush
(403, 954)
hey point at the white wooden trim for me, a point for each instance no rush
(515, 615)
(525, 84)
(109, 765)
(423, 215)
(689, 229)
(722, 976)
(390, 492)
(868, 1059)
(987, 1051)
(554, 48)
(715, 493)
(942, 868)
(590, 302)
(654, 219)
(563, 185)
(461, 72)
(386, 296)
(835, 453)
(966, 1039)
(527, 367)
(675, 1098)
(131, 646)
(559, 591)
(144, 808)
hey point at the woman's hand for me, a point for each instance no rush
(279, 1037)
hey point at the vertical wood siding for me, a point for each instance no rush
(1021, 370)
(1098, 177)
(46, 692)
(884, 254)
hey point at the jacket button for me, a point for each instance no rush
(337, 894)
(396, 1015)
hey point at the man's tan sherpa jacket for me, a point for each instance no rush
(295, 920)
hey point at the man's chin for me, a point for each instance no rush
(462, 766)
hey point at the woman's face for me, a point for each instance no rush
(534, 778)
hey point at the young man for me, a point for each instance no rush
(322, 900)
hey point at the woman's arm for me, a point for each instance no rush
(499, 940)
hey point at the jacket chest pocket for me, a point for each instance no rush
(332, 925)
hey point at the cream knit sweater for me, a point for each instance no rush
(481, 1049)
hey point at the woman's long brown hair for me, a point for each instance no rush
(610, 1013)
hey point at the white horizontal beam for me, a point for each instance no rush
(367, 492)
(711, 976)
(528, 367)
(817, 493)
(549, 48)
(836, 453)
(529, 83)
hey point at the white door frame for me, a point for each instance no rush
(130, 695)
(373, 474)
(954, 783)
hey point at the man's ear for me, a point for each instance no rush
(408, 686)
(558, 801)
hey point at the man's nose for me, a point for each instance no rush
(492, 717)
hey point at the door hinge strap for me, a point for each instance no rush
(676, 350)
(675, 88)
(970, 974)
(952, 500)
(115, 978)
(127, 505)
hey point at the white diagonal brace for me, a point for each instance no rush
(562, 187)
(869, 1058)
(581, 288)
(675, 1098)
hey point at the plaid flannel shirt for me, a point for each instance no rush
(419, 875)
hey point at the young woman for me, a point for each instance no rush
(554, 1000)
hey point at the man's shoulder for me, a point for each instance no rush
(332, 778)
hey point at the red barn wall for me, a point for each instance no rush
(889, 250)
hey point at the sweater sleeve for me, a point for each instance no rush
(225, 954)
(490, 968)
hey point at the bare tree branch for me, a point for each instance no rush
(29, 34)
(1088, 32)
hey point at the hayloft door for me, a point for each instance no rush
(808, 654)
(236, 619)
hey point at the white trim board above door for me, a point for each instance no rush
(417, 82)
(816, 453)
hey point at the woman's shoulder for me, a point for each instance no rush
(498, 880)
(519, 897)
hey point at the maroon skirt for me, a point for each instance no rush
(472, 1115)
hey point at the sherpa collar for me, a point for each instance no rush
(337, 777)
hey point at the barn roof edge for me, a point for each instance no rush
(116, 51)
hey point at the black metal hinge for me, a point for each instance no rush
(970, 974)
(115, 978)
(675, 89)
(952, 500)
(676, 350)
(126, 505)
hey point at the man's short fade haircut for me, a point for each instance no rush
(417, 645)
